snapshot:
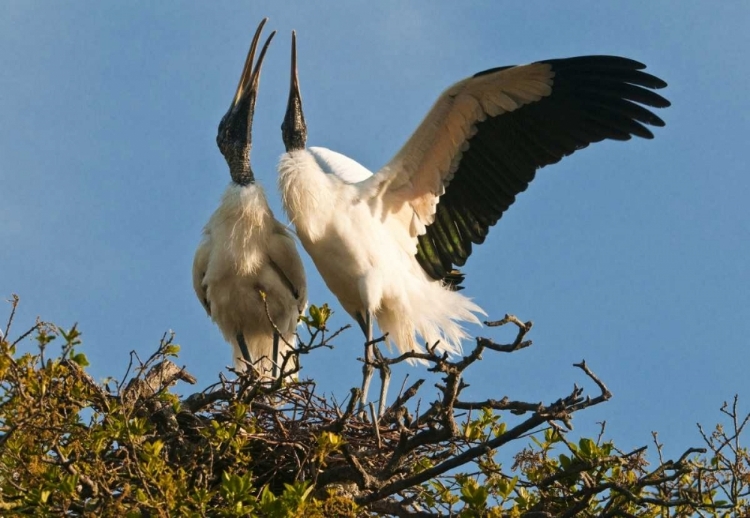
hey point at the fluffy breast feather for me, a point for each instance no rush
(309, 195)
(244, 223)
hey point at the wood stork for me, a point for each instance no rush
(385, 242)
(247, 272)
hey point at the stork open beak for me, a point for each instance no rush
(235, 129)
(294, 129)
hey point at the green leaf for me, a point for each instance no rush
(505, 487)
(71, 337)
(172, 350)
(80, 359)
(588, 447)
(318, 316)
(267, 497)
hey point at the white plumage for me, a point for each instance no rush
(247, 254)
(387, 243)
(247, 272)
(361, 243)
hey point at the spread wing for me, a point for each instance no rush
(485, 137)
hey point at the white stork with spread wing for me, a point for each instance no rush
(387, 243)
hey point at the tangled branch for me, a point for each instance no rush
(253, 445)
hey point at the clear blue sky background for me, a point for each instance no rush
(633, 256)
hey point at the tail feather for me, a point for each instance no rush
(434, 314)
(260, 348)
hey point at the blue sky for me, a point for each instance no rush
(630, 255)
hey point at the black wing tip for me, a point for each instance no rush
(453, 280)
(652, 81)
(657, 121)
(597, 61)
(603, 63)
(659, 83)
(600, 62)
(656, 101)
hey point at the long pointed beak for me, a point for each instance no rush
(248, 85)
(235, 130)
(294, 129)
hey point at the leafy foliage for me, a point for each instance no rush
(247, 447)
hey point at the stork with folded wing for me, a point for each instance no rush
(247, 272)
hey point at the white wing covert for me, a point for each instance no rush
(347, 170)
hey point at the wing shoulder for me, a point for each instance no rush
(347, 170)
(200, 266)
(285, 259)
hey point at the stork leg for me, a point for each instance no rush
(366, 325)
(385, 380)
(275, 355)
(243, 348)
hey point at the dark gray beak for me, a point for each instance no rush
(235, 129)
(294, 129)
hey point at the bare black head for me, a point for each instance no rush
(235, 129)
(294, 129)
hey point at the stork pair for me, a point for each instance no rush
(387, 244)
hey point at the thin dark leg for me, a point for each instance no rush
(243, 348)
(275, 355)
(385, 380)
(362, 323)
(367, 369)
